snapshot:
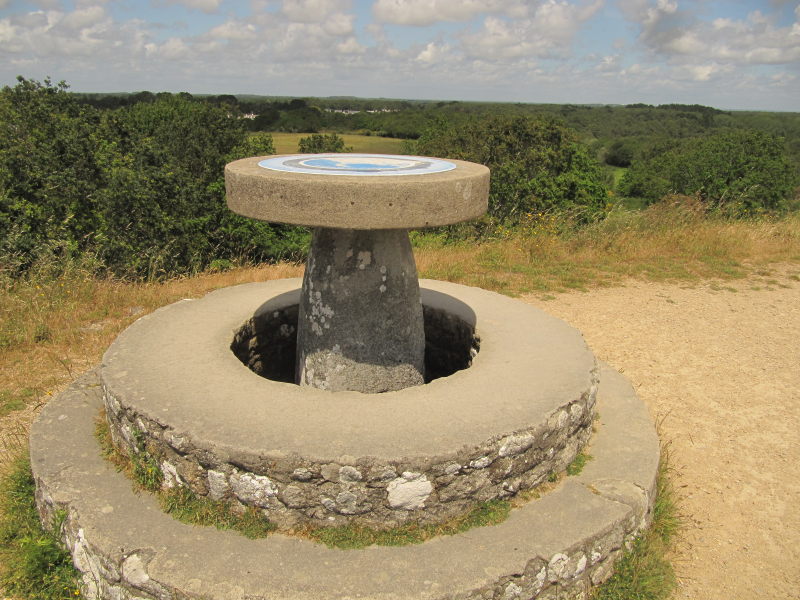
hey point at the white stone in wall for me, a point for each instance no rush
(253, 489)
(541, 576)
(558, 567)
(177, 441)
(171, 477)
(512, 591)
(348, 473)
(481, 463)
(113, 403)
(452, 469)
(217, 485)
(581, 566)
(86, 563)
(133, 571)
(516, 444)
(409, 491)
(302, 474)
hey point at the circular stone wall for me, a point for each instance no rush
(423, 454)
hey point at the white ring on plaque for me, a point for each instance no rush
(357, 164)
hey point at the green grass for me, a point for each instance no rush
(287, 143)
(577, 464)
(11, 401)
(181, 503)
(187, 507)
(644, 572)
(35, 565)
(355, 536)
(33, 562)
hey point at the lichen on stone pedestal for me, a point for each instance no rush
(360, 326)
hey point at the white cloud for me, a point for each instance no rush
(206, 6)
(339, 24)
(84, 17)
(350, 46)
(233, 30)
(172, 49)
(312, 11)
(7, 32)
(682, 37)
(433, 53)
(548, 31)
(427, 12)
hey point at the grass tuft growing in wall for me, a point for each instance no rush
(179, 502)
(356, 536)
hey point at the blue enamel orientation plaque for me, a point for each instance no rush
(357, 164)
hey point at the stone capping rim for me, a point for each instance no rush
(156, 558)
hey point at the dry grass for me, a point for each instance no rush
(665, 242)
(53, 329)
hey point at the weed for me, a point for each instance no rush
(187, 507)
(577, 464)
(644, 571)
(180, 502)
(145, 465)
(42, 334)
(668, 242)
(34, 562)
(11, 401)
(356, 536)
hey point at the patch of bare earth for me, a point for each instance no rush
(719, 366)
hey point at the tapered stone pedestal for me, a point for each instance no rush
(360, 325)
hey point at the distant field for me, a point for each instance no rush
(286, 143)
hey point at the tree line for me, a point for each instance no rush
(137, 180)
(141, 187)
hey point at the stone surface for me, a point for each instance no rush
(173, 378)
(354, 202)
(409, 492)
(360, 326)
(553, 547)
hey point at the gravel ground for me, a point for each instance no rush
(718, 364)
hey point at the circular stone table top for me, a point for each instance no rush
(357, 191)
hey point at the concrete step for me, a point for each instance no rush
(557, 546)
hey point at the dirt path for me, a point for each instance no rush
(721, 368)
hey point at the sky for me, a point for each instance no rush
(734, 54)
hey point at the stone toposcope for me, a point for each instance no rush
(361, 326)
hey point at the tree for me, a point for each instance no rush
(536, 165)
(49, 176)
(316, 143)
(621, 153)
(740, 170)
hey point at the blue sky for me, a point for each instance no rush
(736, 54)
